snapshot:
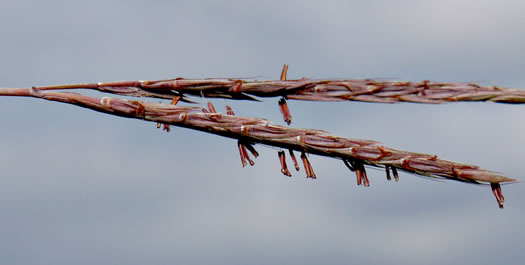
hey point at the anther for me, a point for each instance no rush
(496, 189)
(308, 167)
(360, 173)
(394, 172)
(284, 168)
(294, 160)
(211, 108)
(285, 111)
(250, 148)
(387, 169)
(284, 72)
(244, 153)
(229, 110)
(366, 183)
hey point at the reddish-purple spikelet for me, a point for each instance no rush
(325, 141)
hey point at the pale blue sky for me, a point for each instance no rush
(81, 187)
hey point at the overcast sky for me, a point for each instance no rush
(81, 187)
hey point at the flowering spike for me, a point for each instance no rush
(284, 168)
(292, 155)
(255, 130)
(285, 111)
(304, 89)
(308, 167)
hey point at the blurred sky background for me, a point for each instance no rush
(81, 187)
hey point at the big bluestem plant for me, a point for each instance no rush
(248, 131)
